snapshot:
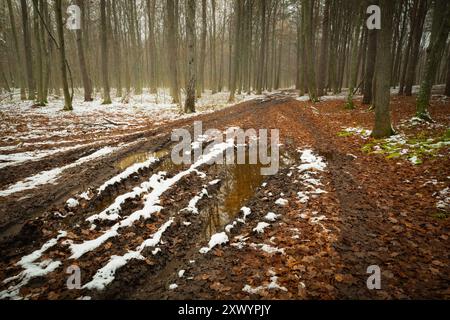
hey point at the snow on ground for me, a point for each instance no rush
(51, 176)
(192, 206)
(32, 269)
(260, 227)
(216, 239)
(133, 169)
(272, 285)
(151, 204)
(23, 121)
(106, 274)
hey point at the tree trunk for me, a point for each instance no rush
(383, 126)
(152, 45)
(18, 52)
(370, 66)
(173, 49)
(324, 49)
(235, 68)
(439, 32)
(82, 60)
(262, 54)
(447, 81)
(189, 106)
(104, 52)
(28, 55)
(415, 40)
(201, 65)
(308, 7)
(62, 56)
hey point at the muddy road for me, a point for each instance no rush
(134, 225)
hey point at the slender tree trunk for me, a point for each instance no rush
(370, 66)
(189, 106)
(28, 55)
(324, 49)
(87, 85)
(262, 54)
(234, 70)
(40, 101)
(152, 45)
(447, 81)
(383, 126)
(18, 52)
(173, 50)
(62, 56)
(308, 7)
(104, 50)
(439, 33)
(415, 40)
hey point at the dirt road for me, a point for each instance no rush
(165, 231)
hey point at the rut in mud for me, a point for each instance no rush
(139, 226)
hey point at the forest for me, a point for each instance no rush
(354, 96)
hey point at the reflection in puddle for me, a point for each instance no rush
(239, 184)
(140, 157)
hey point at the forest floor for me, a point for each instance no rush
(108, 199)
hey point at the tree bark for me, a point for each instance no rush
(415, 40)
(383, 126)
(87, 85)
(439, 32)
(62, 56)
(189, 106)
(324, 50)
(28, 55)
(104, 53)
(18, 52)
(173, 51)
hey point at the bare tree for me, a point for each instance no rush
(81, 58)
(27, 46)
(439, 33)
(104, 49)
(383, 126)
(189, 106)
(62, 56)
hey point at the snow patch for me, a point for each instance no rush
(216, 239)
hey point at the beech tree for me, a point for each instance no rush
(439, 33)
(189, 105)
(383, 126)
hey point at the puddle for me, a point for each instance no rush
(239, 184)
(140, 157)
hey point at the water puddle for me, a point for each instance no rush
(140, 157)
(238, 185)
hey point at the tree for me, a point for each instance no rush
(447, 81)
(201, 66)
(324, 49)
(234, 63)
(308, 10)
(172, 50)
(27, 46)
(62, 56)
(18, 52)
(104, 50)
(87, 85)
(416, 36)
(263, 49)
(383, 126)
(152, 44)
(189, 106)
(41, 97)
(370, 66)
(439, 32)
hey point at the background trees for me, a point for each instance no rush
(244, 46)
